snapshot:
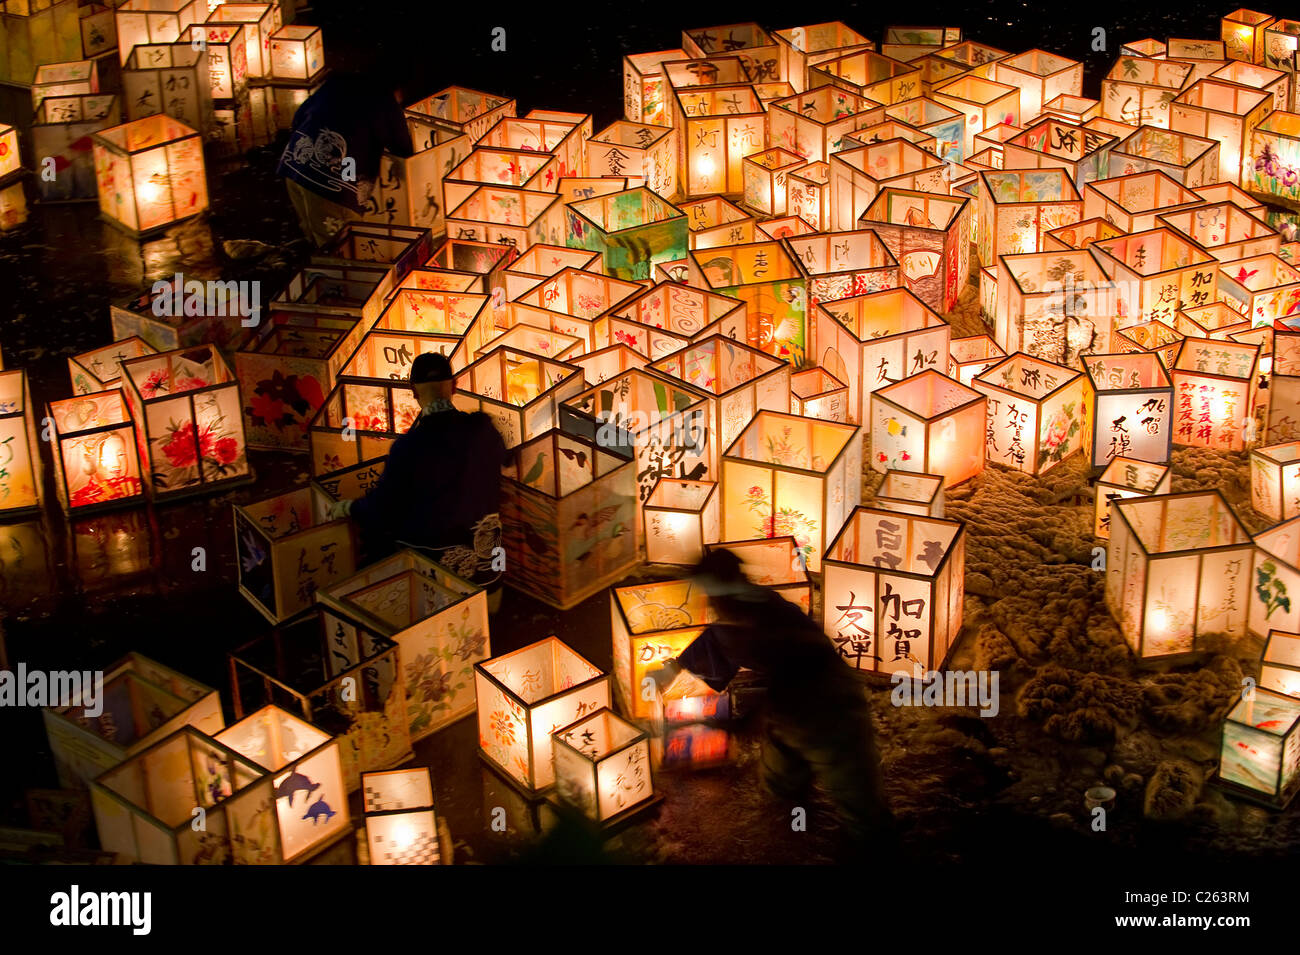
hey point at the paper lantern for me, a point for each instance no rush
(524, 697)
(764, 175)
(142, 702)
(516, 218)
(486, 261)
(519, 391)
(799, 48)
(892, 591)
(668, 316)
(259, 22)
(1072, 109)
(1138, 90)
(75, 78)
(1055, 305)
(857, 175)
(813, 124)
(401, 825)
(750, 43)
(297, 54)
(540, 262)
(842, 264)
(33, 32)
(101, 368)
(227, 58)
(10, 160)
(739, 380)
(766, 277)
(808, 194)
(816, 393)
(1017, 207)
(984, 102)
(189, 427)
(356, 292)
(968, 357)
(150, 173)
(1079, 235)
(568, 510)
(784, 227)
(602, 767)
(1156, 272)
(409, 189)
(684, 725)
(499, 167)
(1275, 480)
(929, 236)
(170, 78)
(717, 126)
(911, 493)
(1279, 668)
(1263, 288)
(893, 129)
(1224, 230)
(1176, 570)
(988, 295)
(1126, 478)
(1037, 413)
(776, 563)
(651, 624)
(942, 123)
(20, 458)
(1132, 203)
(610, 362)
(910, 43)
(870, 341)
(715, 221)
(874, 76)
(1213, 385)
(1156, 337)
(1084, 154)
(936, 69)
(1039, 76)
(284, 375)
(59, 122)
(681, 516)
(928, 423)
(572, 301)
(1273, 166)
(640, 150)
(645, 90)
(1132, 407)
(1225, 112)
(96, 459)
(1243, 34)
(786, 475)
(1273, 81)
(635, 230)
(1258, 749)
(558, 134)
(155, 21)
(1149, 47)
(1276, 578)
(1216, 321)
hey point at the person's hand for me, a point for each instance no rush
(339, 509)
(665, 674)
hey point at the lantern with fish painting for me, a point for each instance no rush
(401, 825)
(297, 54)
(871, 75)
(1214, 390)
(288, 549)
(984, 102)
(1125, 478)
(1243, 33)
(602, 767)
(858, 175)
(1054, 305)
(524, 697)
(568, 512)
(651, 624)
(1224, 112)
(1279, 667)
(1156, 272)
(892, 593)
(1039, 76)
(813, 124)
(1177, 566)
(775, 563)
(101, 368)
(1263, 288)
(715, 221)
(929, 235)
(717, 126)
(150, 173)
(681, 516)
(635, 230)
(968, 357)
(521, 392)
(766, 277)
(764, 175)
(791, 476)
(300, 759)
(645, 88)
(1132, 407)
(155, 21)
(1037, 413)
(1017, 207)
(799, 48)
(637, 150)
(20, 458)
(1132, 203)
(1259, 751)
(667, 316)
(96, 457)
(1275, 480)
(1225, 230)
(911, 493)
(1138, 90)
(816, 393)
(929, 424)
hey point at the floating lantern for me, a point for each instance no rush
(705, 71)
(1055, 305)
(1276, 579)
(816, 393)
(610, 362)
(297, 54)
(571, 302)
(540, 262)
(409, 189)
(911, 493)
(1204, 55)
(1138, 90)
(602, 767)
(799, 48)
(929, 424)
(499, 167)
(150, 173)
(227, 58)
(684, 726)
(943, 123)
(1079, 235)
(1084, 154)
(1037, 413)
(988, 295)
(750, 43)
(841, 264)
(1017, 207)
(639, 150)
(929, 236)
(1216, 321)
(1279, 668)
(1273, 166)
(978, 59)
(187, 412)
(516, 218)
(171, 78)
(101, 368)
(766, 277)
(96, 461)
(791, 476)
(557, 134)
(484, 260)
(813, 124)
(652, 623)
(968, 357)
(764, 175)
(301, 759)
(911, 43)
(1257, 751)
(284, 375)
(1243, 34)
(1072, 109)
(59, 122)
(808, 194)
(1132, 203)
(668, 316)
(717, 126)
(892, 591)
(776, 563)
(530, 339)
(681, 516)
(155, 21)
(401, 825)
(1227, 192)
(1226, 113)
(1039, 76)
(1269, 80)
(259, 22)
(1125, 478)
(645, 89)
(76, 78)
(635, 230)
(20, 459)
(33, 33)
(1158, 546)
(1224, 230)
(1132, 407)
(1156, 273)
(879, 78)
(519, 391)
(1263, 288)
(142, 702)
(355, 291)
(1275, 481)
(858, 175)
(1213, 385)
(524, 697)
(715, 221)
(984, 102)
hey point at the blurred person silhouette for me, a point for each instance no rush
(817, 719)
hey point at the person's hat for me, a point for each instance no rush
(720, 574)
(429, 367)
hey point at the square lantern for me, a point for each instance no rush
(1280, 43)
(813, 124)
(409, 189)
(1214, 389)
(816, 393)
(61, 122)
(1138, 90)
(498, 167)
(765, 175)
(652, 623)
(984, 102)
(968, 357)
(352, 291)
(524, 697)
(568, 513)
(572, 301)
(170, 78)
(485, 261)
(20, 459)
(645, 88)
(943, 123)
(401, 825)
(893, 129)
(1227, 192)
(1149, 46)
(288, 549)
(868, 74)
(1085, 154)
(1132, 203)
(978, 59)
(1177, 568)
(301, 759)
(929, 235)
(929, 424)
(516, 218)
(1037, 413)
(892, 592)
(1275, 481)
(791, 476)
(521, 392)
(1225, 230)
(284, 376)
(1156, 273)
(841, 264)
(808, 194)
(1072, 109)
(602, 767)
(681, 517)
(1225, 112)
(227, 59)
(1243, 36)
(150, 173)
(635, 230)
(1216, 321)
(142, 702)
(638, 150)
(988, 292)
(540, 262)
(259, 21)
(715, 221)
(754, 46)
(1039, 76)
(609, 362)
(799, 48)
(1017, 207)
(188, 420)
(1125, 478)
(297, 54)
(1273, 81)
(10, 160)
(33, 32)
(1259, 752)
(871, 341)
(717, 126)
(776, 563)
(766, 277)
(559, 135)
(101, 368)
(911, 492)
(155, 21)
(1079, 235)
(76, 78)
(784, 227)
(667, 316)
(1132, 407)
(1273, 167)
(857, 175)
(96, 457)
(937, 69)
(1276, 579)
(1054, 305)
(1263, 288)
(1279, 667)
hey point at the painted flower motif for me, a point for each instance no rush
(154, 382)
(1057, 431)
(503, 728)
(226, 450)
(180, 447)
(189, 384)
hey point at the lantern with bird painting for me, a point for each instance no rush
(892, 591)
(401, 825)
(1279, 667)
(150, 173)
(681, 516)
(858, 175)
(1125, 478)
(1055, 305)
(602, 767)
(1275, 480)
(930, 424)
(524, 697)
(816, 393)
(96, 458)
(1132, 407)
(652, 623)
(911, 492)
(1214, 390)
(717, 126)
(634, 230)
(640, 151)
(1037, 413)
(645, 88)
(1263, 288)
(1259, 751)
(802, 47)
(985, 103)
(968, 357)
(929, 236)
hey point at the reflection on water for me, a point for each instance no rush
(113, 549)
(13, 206)
(26, 569)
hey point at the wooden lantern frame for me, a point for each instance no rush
(941, 405)
(1125, 478)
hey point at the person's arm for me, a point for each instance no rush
(706, 659)
(384, 503)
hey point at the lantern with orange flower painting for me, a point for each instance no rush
(1132, 407)
(874, 76)
(483, 260)
(1214, 390)
(667, 317)
(1017, 207)
(816, 393)
(150, 173)
(634, 230)
(813, 124)
(96, 454)
(1263, 288)
(716, 221)
(799, 48)
(644, 152)
(911, 493)
(984, 103)
(1125, 478)
(928, 423)
(645, 89)
(717, 126)
(1275, 480)
(768, 279)
(858, 175)
(1156, 272)
(1224, 230)
(929, 236)
(10, 161)
(359, 419)
(1243, 36)
(498, 167)
(1138, 90)
(1038, 413)
(1056, 305)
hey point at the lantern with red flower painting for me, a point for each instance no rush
(1214, 391)
(1263, 288)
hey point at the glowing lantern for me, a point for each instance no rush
(1055, 305)
(1273, 81)
(943, 123)
(788, 475)
(521, 392)
(715, 221)
(259, 22)
(858, 175)
(563, 137)
(775, 563)
(1039, 76)
(1213, 321)
(892, 591)
(1258, 748)
(484, 260)
(33, 32)
(977, 59)
(155, 702)
(764, 175)
(717, 126)
(652, 623)
(871, 75)
(602, 767)
(739, 380)
(1213, 385)
(1227, 192)
(1017, 207)
(1132, 407)
(155, 21)
(1138, 90)
(1156, 272)
(684, 725)
(1224, 230)
(816, 393)
(1280, 665)
(59, 122)
(635, 230)
(10, 160)
(571, 302)
(409, 189)
(984, 102)
(645, 89)
(300, 759)
(284, 375)
(609, 362)
(705, 71)
(814, 124)
(540, 262)
(297, 53)
(893, 129)
(929, 236)
(908, 492)
(524, 697)
(1226, 113)
(1126, 478)
(989, 296)
(1072, 108)
(911, 43)
(500, 167)
(1079, 235)
(150, 173)
(1263, 288)
(1273, 165)
(1243, 33)
(171, 78)
(1132, 203)
(516, 218)
(227, 58)
(799, 48)
(844, 263)
(101, 368)
(1276, 579)
(667, 317)
(76, 78)
(750, 43)
(401, 825)
(1037, 413)
(768, 279)
(784, 227)
(1156, 337)
(1052, 144)
(968, 357)
(96, 461)
(1148, 47)
(928, 423)
(681, 516)
(1275, 480)
(645, 152)
(20, 469)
